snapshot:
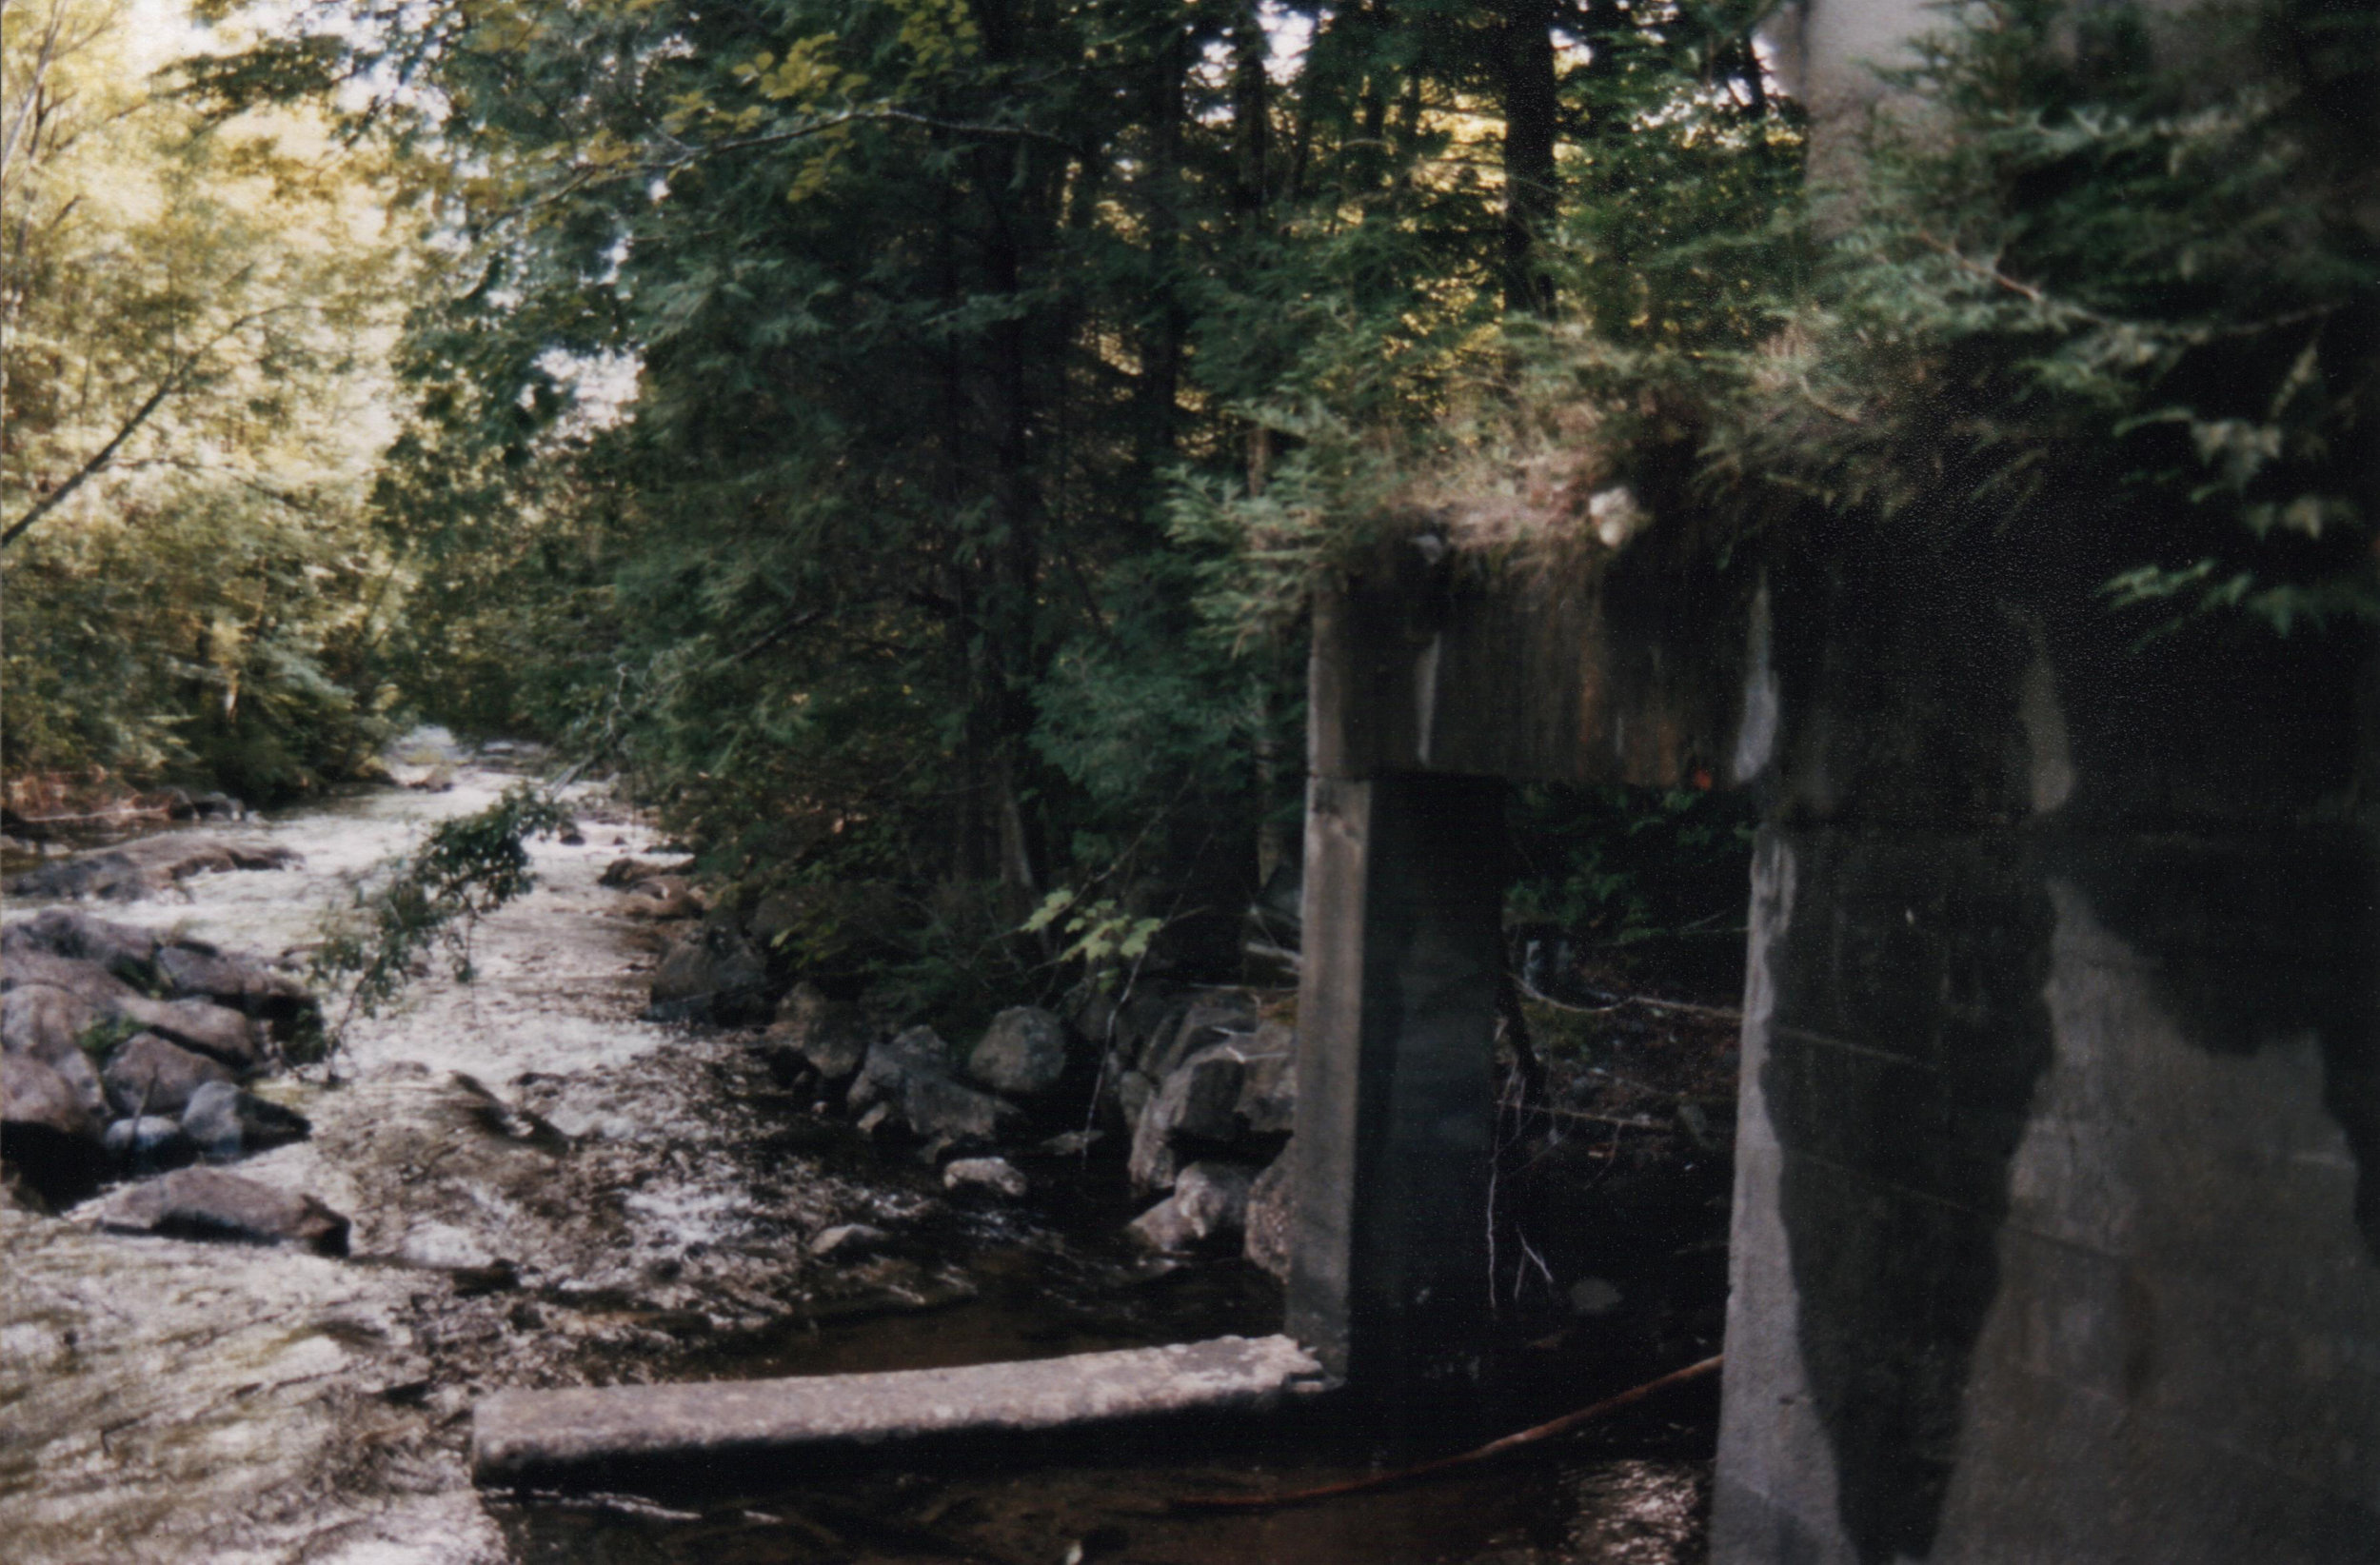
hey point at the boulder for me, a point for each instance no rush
(47, 1133)
(196, 970)
(710, 975)
(952, 1115)
(149, 864)
(1268, 1094)
(149, 1145)
(1207, 1209)
(1202, 1019)
(832, 1036)
(1195, 1109)
(1022, 1052)
(992, 1175)
(147, 1075)
(623, 873)
(39, 1033)
(1212, 1199)
(911, 1076)
(209, 1203)
(848, 1241)
(45, 1021)
(216, 1031)
(1269, 1219)
(126, 950)
(891, 1063)
(663, 897)
(111, 875)
(1132, 1092)
(1124, 1022)
(1163, 1228)
(223, 1122)
(86, 981)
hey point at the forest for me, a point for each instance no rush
(900, 438)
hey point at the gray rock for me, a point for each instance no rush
(1022, 1052)
(994, 1176)
(1268, 1094)
(223, 1122)
(216, 1031)
(149, 864)
(621, 873)
(149, 1145)
(1212, 1199)
(943, 1109)
(209, 1203)
(46, 1134)
(881, 1119)
(1198, 1023)
(1124, 1022)
(147, 1075)
(1163, 1228)
(1267, 1245)
(49, 1024)
(1196, 1108)
(833, 1035)
(1132, 1092)
(126, 950)
(26, 966)
(43, 1021)
(711, 975)
(910, 1077)
(848, 1241)
(663, 897)
(196, 970)
(890, 1064)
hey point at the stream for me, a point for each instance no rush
(547, 1191)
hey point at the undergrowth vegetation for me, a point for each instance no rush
(432, 899)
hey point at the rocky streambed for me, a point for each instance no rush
(534, 1184)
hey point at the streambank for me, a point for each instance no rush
(546, 1191)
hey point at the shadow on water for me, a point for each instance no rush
(1634, 1491)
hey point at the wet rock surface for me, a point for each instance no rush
(210, 1204)
(147, 866)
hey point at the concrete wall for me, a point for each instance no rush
(2057, 1213)
(2057, 1221)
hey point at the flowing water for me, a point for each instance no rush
(547, 1191)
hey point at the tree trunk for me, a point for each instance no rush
(1525, 54)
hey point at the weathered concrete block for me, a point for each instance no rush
(519, 1436)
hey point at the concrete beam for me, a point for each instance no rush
(1630, 664)
(521, 1437)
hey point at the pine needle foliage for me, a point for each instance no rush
(2100, 270)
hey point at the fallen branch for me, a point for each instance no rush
(1717, 1013)
(1562, 1425)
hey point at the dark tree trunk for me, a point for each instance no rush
(1525, 61)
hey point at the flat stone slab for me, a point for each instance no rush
(519, 1434)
